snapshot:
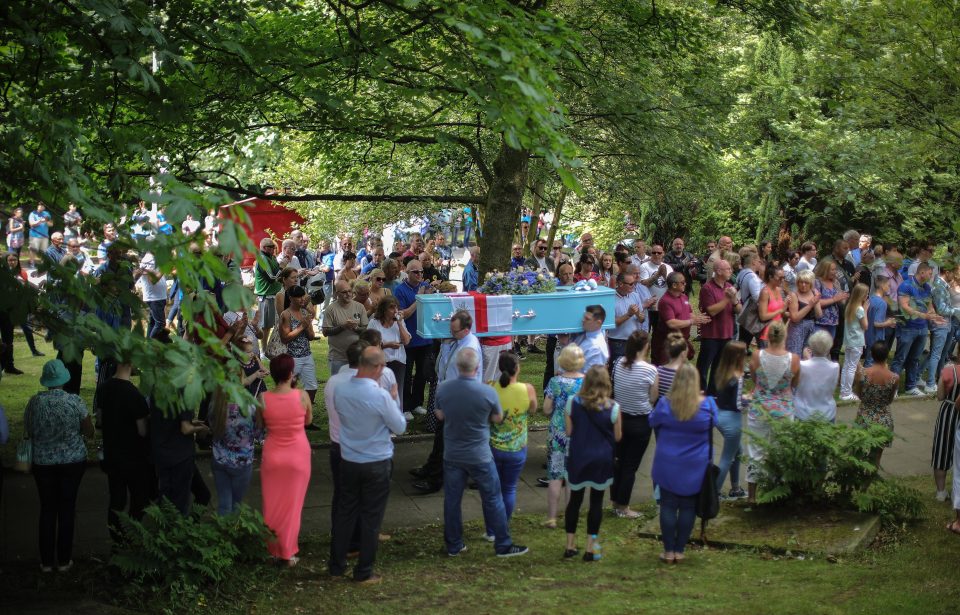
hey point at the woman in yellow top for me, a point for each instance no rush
(508, 439)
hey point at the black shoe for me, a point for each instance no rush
(534, 350)
(427, 486)
(418, 472)
(568, 553)
(543, 481)
(37, 353)
(13, 371)
(514, 551)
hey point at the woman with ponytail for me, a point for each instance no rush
(508, 439)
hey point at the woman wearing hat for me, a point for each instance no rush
(56, 422)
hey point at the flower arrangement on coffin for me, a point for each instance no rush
(519, 281)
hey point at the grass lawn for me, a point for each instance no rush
(906, 571)
(15, 391)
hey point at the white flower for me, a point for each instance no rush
(520, 269)
(489, 274)
(540, 277)
(526, 282)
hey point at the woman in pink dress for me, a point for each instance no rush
(285, 470)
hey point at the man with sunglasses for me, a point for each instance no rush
(653, 275)
(418, 349)
(629, 315)
(266, 285)
(540, 261)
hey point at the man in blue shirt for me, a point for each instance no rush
(368, 416)
(914, 296)
(471, 275)
(591, 341)
(418, 349)
(39, 221)
(517, 260)
(467, 407)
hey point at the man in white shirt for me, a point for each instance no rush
(153, 285)
(640, 253)
(653, 275)
(368, 417)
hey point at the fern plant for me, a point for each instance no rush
(184, 557)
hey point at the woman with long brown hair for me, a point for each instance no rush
(635, 389)
(730, 402)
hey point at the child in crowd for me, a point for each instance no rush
(879, 327)
(593, 425)
(388, 381)
(855, 323)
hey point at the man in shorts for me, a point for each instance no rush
(266, 285)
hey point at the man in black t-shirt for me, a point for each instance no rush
(172, 441)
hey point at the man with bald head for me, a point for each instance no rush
(343, 322)
(368, 417)
(467, 407)
(720, 301)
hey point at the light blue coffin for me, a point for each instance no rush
(557, 312)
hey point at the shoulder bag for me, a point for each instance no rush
(749, 317)
(708, 501)
(275, 347)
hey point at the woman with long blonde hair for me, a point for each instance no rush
(593, 425)
(855, 324)
(683, 422)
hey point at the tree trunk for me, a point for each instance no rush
(502, 209)
(556, 219)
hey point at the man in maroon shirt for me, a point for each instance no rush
(720, 301)
(675, 315)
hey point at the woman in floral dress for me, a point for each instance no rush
(776, 372)
(559, 389)
(877, 386)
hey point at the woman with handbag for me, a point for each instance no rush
(55, 423)
(683, 422)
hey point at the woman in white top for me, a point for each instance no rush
(813, 396)
(635, 388)
(394, 336)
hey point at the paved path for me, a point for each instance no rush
(910, 455)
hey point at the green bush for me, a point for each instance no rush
(817, 461)
(892, 500)
(183, 559)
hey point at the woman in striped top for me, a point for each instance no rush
(677, 356)
(635, 389)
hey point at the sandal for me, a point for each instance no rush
(678, 557)
(550, 524)
(666, 558)
(567, 554)
(954, 527)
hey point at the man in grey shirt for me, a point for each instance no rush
(466, 407)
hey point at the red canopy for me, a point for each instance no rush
(266, 220)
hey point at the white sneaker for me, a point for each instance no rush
(420, 410)
(914, 392)
(930, 390)
(850, 397)
(942, 496)
(408, 416)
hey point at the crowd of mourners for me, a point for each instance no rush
(772, 336)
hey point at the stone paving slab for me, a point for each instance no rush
(19, 508)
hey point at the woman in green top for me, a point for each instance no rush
(508, 439)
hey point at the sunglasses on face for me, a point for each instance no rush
(656, 253)
(379, 279)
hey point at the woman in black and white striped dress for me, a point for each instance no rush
(942, 458)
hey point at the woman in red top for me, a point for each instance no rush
(285, 469)
(771, 306)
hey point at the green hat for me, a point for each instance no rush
(54, 374)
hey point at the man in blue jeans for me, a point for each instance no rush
(914, 296)
(466, 408)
